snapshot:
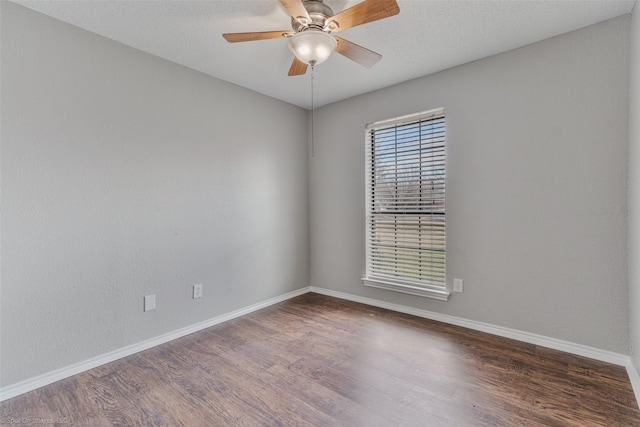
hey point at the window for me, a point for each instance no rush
(406, 204)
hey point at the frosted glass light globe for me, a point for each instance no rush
(312, 46)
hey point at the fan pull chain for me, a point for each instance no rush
(313, 122)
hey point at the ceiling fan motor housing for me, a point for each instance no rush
(318, 12)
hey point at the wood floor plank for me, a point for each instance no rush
(320, 361)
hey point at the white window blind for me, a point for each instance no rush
(406, 204)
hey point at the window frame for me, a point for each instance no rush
(385, 280)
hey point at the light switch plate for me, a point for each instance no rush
(458, 285)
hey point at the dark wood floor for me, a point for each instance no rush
(320, 361)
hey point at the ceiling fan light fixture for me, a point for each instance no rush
(312, 46)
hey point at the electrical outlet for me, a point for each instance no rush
(149, 302)
(197, 291)
(458, 285)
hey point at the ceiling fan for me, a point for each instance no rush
(312, 23)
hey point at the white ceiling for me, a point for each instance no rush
(427, 36)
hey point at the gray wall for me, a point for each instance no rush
(536, 187)
(634, 190)
(125, 175)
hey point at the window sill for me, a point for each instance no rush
(407, 288)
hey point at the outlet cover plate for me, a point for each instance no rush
(197, 291)
(458, 285)
(149, 302)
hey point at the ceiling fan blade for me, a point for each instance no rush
(297, 67)
(295, 8)
(357, 53)
(362, 13)
(260, 35)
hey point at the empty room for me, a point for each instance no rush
(320, 213)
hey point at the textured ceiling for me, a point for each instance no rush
(427, 36)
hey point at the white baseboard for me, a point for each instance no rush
(556, 344)
(577, 349)
(50, 377)
(634, 377)
(568, 347)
